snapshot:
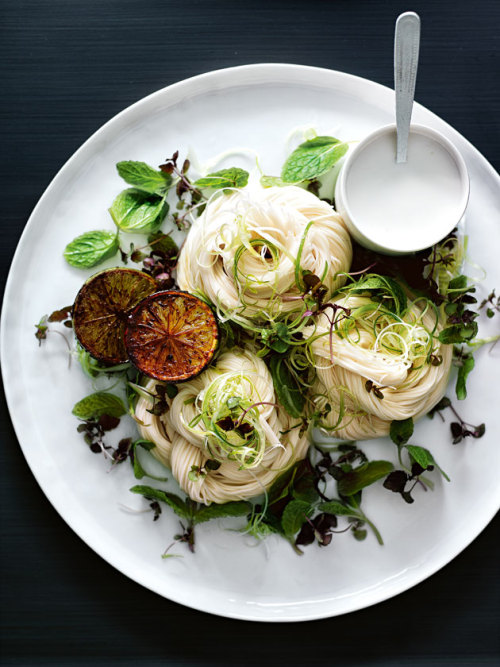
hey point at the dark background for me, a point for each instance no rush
(67, 67)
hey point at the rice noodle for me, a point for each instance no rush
(180, 446)
(223, 259)
(400, 367)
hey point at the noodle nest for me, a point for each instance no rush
(369, 347)
(247, 250)
(182, 442)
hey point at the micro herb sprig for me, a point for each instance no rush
(190, 198)
(191, 512)
(461, 321)
(459, 429)
(61, 316)
(298, 508)
(420, 460)
(492, 304)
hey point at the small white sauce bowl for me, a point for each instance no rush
(398, 209)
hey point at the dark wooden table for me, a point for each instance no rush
(67, 67)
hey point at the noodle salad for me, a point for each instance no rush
(242, 323)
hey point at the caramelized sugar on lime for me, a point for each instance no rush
(101, 311)
(171, 336)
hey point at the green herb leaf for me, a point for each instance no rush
(164, 243)
(424, 458)
(401, 431)
(215, 511)
(281, 486)
(97, 404)
(294, 515)
(139, 471)
(135, 211)
(384, 289)
(271, 181)
(368, 473)
(458, 284)
(458, 333)
(312, 158)
(337, 508)
(286, 387)
(225, 178)
(90, 249)
(143, 177)
(277, 337)
(463, 372)
(177, 504)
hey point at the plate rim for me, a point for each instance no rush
(227, 77)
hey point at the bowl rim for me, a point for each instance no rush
(341, 188)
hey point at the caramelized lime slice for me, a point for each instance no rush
(171, 336)
(102, 307)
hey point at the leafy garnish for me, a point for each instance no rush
(312, 158)
(383, 289)
(272, 181)
(401, 431)
(225, 178)
(143, 177)
(192, 512)
(41, 330)
(492, 303)
(353, 481)
(220, 511)
(286, 387)
(91, 248)
(97, 404)
(294, 515)
(277, 337)
(465, 362)
(461, 321)
(136, 211)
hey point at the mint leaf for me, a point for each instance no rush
(401, 431)
(272, 181)
(139, 471)
(215, 511)
(174, 502)
(135, 211)
(286, 387)
(458, 333)
(424, 458)
(337, 508)
(277, 338)
(225, 178)
(384, 289)
(368, 473)
(312, 158)
(463, 372)
(294, 515)
(97, 404)
(164, 243)
(143, 177)
(90, 249)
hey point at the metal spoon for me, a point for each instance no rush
(406, 47)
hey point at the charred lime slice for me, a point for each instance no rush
(102, 307)
(171, 336)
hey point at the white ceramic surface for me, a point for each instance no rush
(254, 106)
(398, 208)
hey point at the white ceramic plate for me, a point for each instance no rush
(254, 106)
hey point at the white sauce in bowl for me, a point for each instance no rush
(406, 207)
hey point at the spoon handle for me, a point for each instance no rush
(406, 46)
